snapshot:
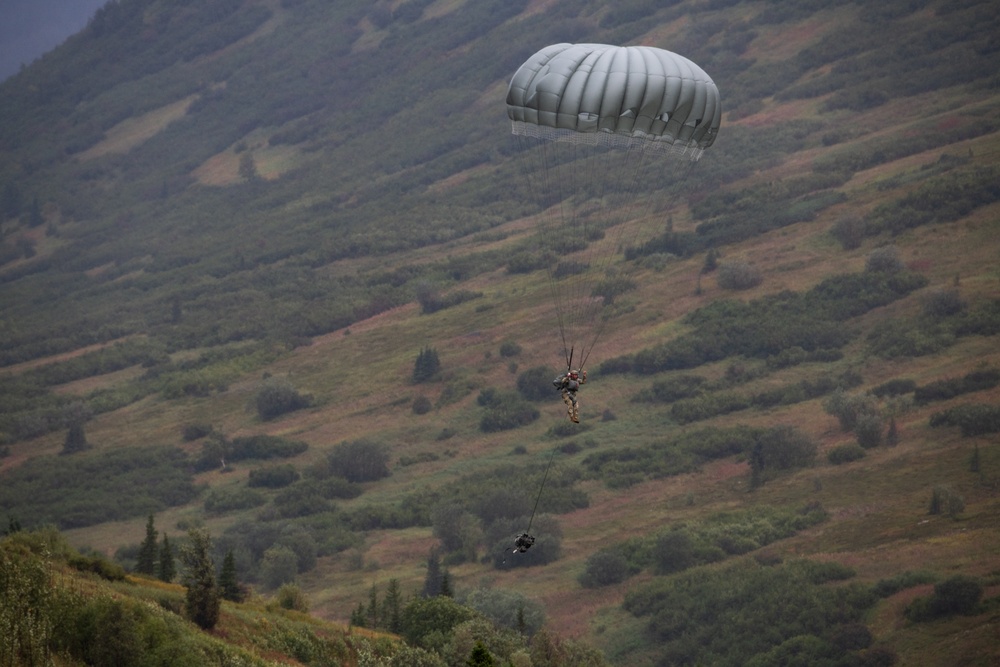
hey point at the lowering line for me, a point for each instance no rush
(524, 541)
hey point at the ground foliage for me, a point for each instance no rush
(389, 143)
(94, 487)
(771, 325)
(755, 611)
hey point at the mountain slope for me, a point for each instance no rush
(202, 199)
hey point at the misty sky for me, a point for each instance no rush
(29, 28)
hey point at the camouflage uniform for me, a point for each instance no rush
(568, 383)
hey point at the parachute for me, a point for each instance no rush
(606, 135)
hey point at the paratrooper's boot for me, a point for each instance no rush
(574, 413)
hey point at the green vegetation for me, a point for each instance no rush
(685, 546)
(956, 595)
(769, 451)
(132, 622)
(770, 325)
(99, 486)
(764, 612)
(227, 267)
(972, 418)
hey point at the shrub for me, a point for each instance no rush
(98, 565)
(849, 408)
(278, 567)
(359, 460)
(781, 448)
(509, 348)
(943, 303)
(885, 259)
(505, 411)
(606, 567)
(895, 387)
(956, 595)
(845, 454)
(868, 430)
(232, 499)
(567, 268)
(611, 288)
(274, 477)
(196, 431)
(941, 390)
(277, 397)
(507, 609)
(535, 384)
(422, 405)
(893, 339)
(888, 587)
(290, 596)
(738, 275)
(973, 419)
(944, 500)
(850, 231)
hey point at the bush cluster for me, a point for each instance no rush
(765, 327)
(761, 613)
(505, 410)
(972, 419)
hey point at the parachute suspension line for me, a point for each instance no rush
(634, 223)
(628, 170)
(552, 456)
(619, 202)
(541, 181)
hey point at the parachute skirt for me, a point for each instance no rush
(637, 141)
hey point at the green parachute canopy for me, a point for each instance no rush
(606, 137)
(634, 96)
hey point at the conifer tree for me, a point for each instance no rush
(202, 600)
(432, 582)
(146, 563)
(392, 607)
(358, 616)
(426, 366)
(481, 656)
(166, 570)
(229, 585)
(446, 585)
(76, 439)
(373, 606)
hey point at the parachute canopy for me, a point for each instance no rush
(606, 137)
(612, 95)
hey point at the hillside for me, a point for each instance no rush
(232, 232)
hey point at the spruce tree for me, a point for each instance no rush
(446, 585)
(76, 439)
(426, 366)
(373, 606)
(358, 616)
(166, 570)
(229, 585)
(481, 656)
(146, 563)
(202, 600)
(392, 607)
(432, 582)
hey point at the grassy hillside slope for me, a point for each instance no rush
(203, 201)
